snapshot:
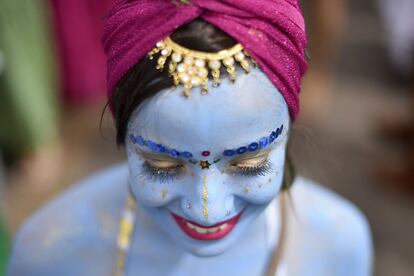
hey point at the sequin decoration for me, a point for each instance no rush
(262, 144)
(187, 154)
(205, 165)
(158, 148)
(174, 153)
(205, 153)
(193, 161)
(253, 146)
(241, 150)
(229, 153)
(216, 160)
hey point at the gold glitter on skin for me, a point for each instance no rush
(246, 190)
(164, 194)
(205, 197)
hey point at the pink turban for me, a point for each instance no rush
(272, 31)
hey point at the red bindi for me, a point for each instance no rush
(205, 153)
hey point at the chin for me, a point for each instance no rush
(206, 241)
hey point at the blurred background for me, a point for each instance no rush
(355, 134)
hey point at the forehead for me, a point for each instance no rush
(231, 114)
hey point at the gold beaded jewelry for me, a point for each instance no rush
(126, 226)
(192, 68)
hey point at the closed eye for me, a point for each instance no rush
(251, 171)
(161, 173)
(161, 167)
(251, 166)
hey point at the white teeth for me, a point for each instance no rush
(223, 226)
(212, 230)
(191, 226)
(202, 230)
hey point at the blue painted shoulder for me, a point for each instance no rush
(336, 232)
(75, 231)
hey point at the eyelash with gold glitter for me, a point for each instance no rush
(252, 171)
(161, 174)
(170, 174)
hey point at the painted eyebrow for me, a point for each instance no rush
(159, 148)
(262, 144)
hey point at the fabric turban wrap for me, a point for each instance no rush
(272, 31)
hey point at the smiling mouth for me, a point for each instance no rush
(199, 232)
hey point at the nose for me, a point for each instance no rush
(210, 201)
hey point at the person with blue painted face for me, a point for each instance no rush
(203, 95)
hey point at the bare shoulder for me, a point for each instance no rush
(334, 234)
(71, 231)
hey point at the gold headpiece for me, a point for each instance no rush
(192, 68)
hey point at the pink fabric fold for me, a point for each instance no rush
(273, 32)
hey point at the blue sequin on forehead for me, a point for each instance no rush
(158, 148)
(263, 143)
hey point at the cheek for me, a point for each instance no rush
(263, 189)
(148, 191)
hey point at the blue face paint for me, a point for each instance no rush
(230, 122)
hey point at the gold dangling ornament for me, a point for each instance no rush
(193, 69)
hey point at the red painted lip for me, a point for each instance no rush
(206, 233)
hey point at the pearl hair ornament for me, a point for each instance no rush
(194, 68)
